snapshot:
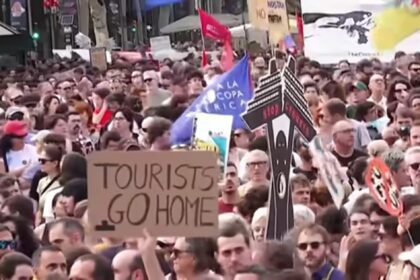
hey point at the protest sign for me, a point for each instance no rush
(335, 30)
(279, 103)
(329, 171)
(160, 43)
(210, 137)
(258, 14)
(169, 193)
(228, 95)
(98, 58)
(382, 187)
(278, 22)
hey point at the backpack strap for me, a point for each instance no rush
(330, 272)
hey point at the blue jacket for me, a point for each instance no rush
(328, 272)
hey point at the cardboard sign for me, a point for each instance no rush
(258, 11)
(329, 171)
(98, 58)
(279, 103)
(210, 137)
(169, 193)
(278, 22)
(382, 187)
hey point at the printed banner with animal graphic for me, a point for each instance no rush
(353, 30)
(212, 133)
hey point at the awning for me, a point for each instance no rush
(12, 41)
(193, 22)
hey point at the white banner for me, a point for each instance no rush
(357, 29)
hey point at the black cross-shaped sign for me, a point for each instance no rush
(280, 105)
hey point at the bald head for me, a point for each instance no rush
(342, 126)
(121, 264)
(344, 134)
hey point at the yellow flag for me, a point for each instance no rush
(257, 10)
(278, 22)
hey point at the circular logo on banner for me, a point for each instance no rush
(382, 187)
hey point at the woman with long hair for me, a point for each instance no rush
(48, 186)
(365, 261)
(56, 124)
(86, 113)
(50, 105)
(124, 123)
(27, 242)
(398, 91)
(74, 165)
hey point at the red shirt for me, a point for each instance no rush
(105, 119)
(224, 207)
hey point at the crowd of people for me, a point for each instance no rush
(55, 112)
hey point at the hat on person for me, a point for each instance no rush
(358, 85)
(11, 111)
(412, 256)
(259, 62)
(17, 128)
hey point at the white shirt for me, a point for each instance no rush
(48, 212)
(18, 159)
(381, 103)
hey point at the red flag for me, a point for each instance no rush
(211, 28)
(204, 61)
(299, 24)
(227, 60)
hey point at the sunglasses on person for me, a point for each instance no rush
(400, 90)
(176, 252)
(415, 166)
(256, 163)
(4, 244)
(43, 160)
(164, 245)
(314, 245)
(65, 88)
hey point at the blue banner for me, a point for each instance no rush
(150, 4)
(228, 95)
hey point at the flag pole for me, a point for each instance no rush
(244, 25)
(204, 55)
